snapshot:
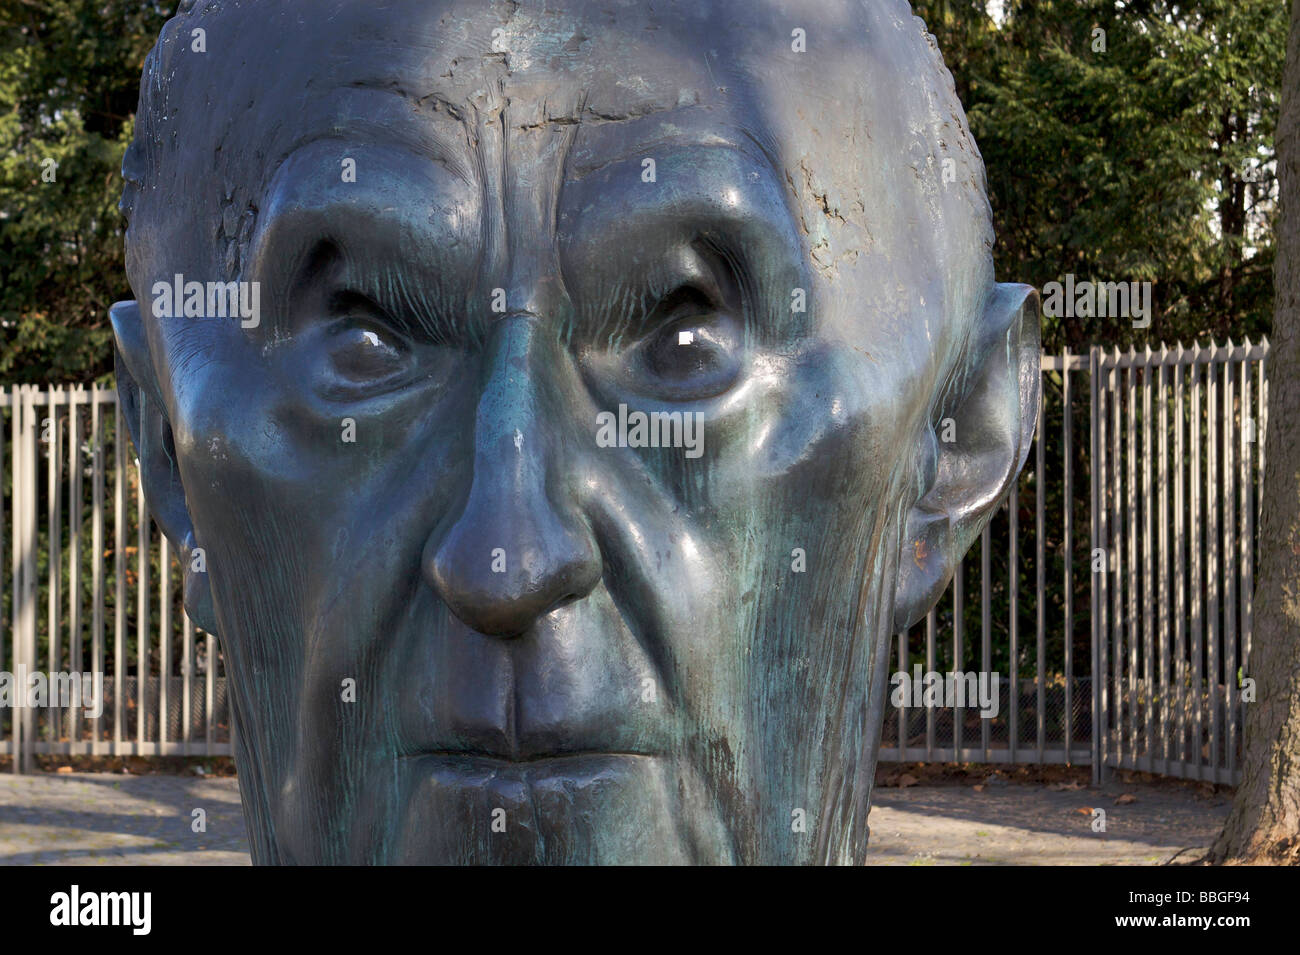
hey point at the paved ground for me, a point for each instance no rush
(112, 819)
(1036, 825)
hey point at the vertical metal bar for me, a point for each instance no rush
(1162, 571)
(1247, 529)
(210, 694)
(1180, 563)
(1214, 660)
(119, 578)
(1067, 507)
(1117, 535)
(54, 554)
(164, 634)
(929, 668)
(900, 712)
(1148, 577)
(143, 539)
(1097, 545)
(986, 622)
(97, 539)
(75, 641)
(9, 509)
(1196, 582)
(31, 549)
(97, 542)
(187, 670)
(1100, 577)
(986, 658)
(1229, 561)
(1040, 561)
(17, 469)
(959, 608)
(1261, 430)
(1132, 686)
(20, 505)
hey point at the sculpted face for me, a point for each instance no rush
(469, 611)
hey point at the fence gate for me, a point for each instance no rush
(1178, 455)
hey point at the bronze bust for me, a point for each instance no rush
(548, 401)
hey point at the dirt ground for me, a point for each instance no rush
(921, 815)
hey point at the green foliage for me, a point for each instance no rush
(1128, 140)
(69, 82)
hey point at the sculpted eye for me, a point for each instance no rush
(362, 352)
(693, 353)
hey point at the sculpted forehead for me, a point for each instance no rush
(859, 125)
(617, 56)
(272, 76)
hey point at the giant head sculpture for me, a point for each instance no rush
(553, 394)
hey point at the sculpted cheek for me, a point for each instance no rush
(227, 451)
(826, 423)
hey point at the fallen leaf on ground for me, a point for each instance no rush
(1125, 799)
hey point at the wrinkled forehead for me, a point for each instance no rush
(273, 76)
(846, 102)
(536, 62)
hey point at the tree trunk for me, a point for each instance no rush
(1264, 825)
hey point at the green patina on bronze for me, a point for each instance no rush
(460, 626)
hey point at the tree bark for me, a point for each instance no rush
(1264, 825)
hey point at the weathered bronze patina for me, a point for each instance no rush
(563, 475)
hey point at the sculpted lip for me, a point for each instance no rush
(480, 758)
(589, 765)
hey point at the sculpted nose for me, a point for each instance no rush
(520, 548)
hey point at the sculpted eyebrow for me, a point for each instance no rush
(706, 267)
(336, 282)
(747, 256)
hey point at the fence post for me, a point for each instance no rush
(1067, 443)
(4, 660)
(28, 592)
(1094, 479)
(16, 470)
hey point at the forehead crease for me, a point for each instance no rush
(385, 116)
(600, 143)
(590, 63)
(408, 72)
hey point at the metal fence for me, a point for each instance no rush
(1110, 595)
(1124, 644)
(93, 588)
(1016, 608)
(1178, 443)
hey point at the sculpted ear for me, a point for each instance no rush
(151, 433)
(974, 450)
